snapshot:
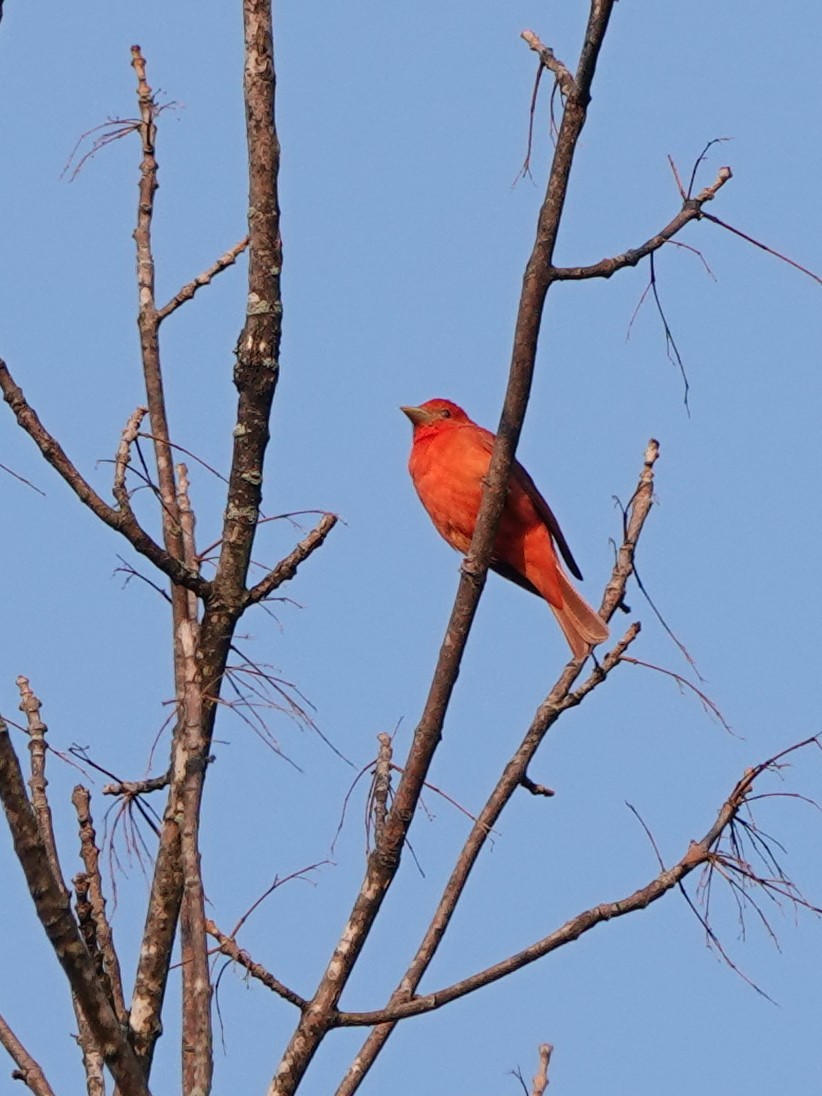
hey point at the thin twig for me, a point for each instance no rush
(287, 567)
(232, 949)
(207, 276)
(123, 520)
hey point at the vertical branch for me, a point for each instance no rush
(109, 963)
(201, 659)
(258, 347)
(30, 705)
(197, 1040)
(167, 882)
(147, 321)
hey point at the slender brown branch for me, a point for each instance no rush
(29, 1071)
(207, 276)
(287, 568)
(514, 775)
(30, 705)
(691, 211)
(229, 946)
(122, 520)
(258, 347)
(696, 855)
(133, 788)
(123, 458)
(255, 378)
(92, 1058)
(197, 1036)
(22, 479)
(147, 321)
(562, 75)
(540, 1081)
(90, 853)
(763, 247)
(709, 705)
(382, 785)
(168, 879)
(54, 912)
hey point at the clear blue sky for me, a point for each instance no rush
(403, 128)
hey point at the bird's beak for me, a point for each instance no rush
(418, 415)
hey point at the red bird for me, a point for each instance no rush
(449, 460)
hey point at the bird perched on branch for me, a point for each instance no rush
(449, 460)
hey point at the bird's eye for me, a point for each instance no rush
(445, 413)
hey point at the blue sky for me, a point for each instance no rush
(403, 129)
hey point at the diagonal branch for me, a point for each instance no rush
(384, 860)
(698, 853)
(207, 276)
(691, 211)
(28, 1070)
(287, 568)
(30, 705)
(228, 946)
(562, 74)
(121, 519)
(109, 962)
(558, 700)
(54, 912)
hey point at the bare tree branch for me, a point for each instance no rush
(28, 1070)
(763, 247)
(30, 705)
(207, 276)
(515, 773)
(123, 458)
(697, 854)
(110, 964)
(540, 1082)
(122, 520)
(562, 75)
(54, 913)
(691, 211)
(287, 568)
(229, 946)
(197, 990)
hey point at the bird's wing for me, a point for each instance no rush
(544, 512)
(509, 572)
(546, 515)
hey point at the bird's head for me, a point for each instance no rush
(435, 413)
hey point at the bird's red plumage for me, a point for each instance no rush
(449, 460)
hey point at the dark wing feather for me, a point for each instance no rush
(507, 571)
(544, 511)
(546, 515)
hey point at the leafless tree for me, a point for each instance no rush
(209, 592)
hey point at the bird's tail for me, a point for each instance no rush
(581, 625)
